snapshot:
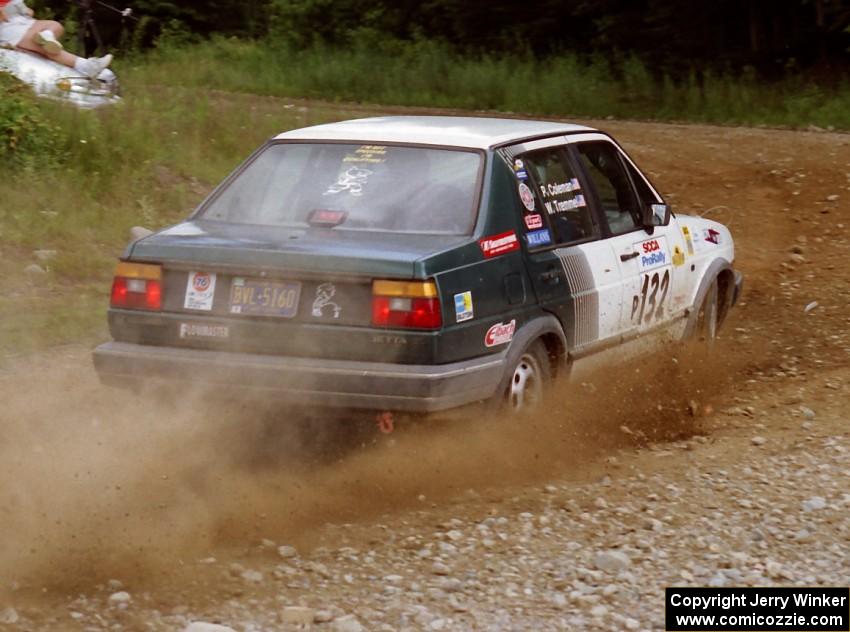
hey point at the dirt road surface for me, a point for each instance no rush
(122, 513)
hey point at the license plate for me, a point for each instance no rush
(259, 297)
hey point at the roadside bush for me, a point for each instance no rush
(26, 134)
(428, 73)
(175, 34)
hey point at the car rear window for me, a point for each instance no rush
(354, 187)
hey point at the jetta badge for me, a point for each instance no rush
(324, 293)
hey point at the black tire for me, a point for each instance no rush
(528, 380)
(708, 316)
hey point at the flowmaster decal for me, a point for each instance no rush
(202, 330)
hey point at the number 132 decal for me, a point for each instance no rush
(648, 306)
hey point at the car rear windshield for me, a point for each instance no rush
(354, 187)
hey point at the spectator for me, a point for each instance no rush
(19, 29)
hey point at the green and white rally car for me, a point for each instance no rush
(416, 264)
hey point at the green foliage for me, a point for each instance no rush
(429, 73)
(27, 136)
(153, 18)
(670, 36)
(288, 17)
(175, 34)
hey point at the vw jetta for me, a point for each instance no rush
(416, 264)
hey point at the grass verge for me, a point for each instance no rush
(427, 74)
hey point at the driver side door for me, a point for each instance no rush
(647, 259)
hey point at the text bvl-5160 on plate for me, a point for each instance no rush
(262, 297)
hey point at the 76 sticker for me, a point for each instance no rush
(200, 289)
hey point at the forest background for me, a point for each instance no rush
(673, 36)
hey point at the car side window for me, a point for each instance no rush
(645, 195)
(561, 202)
(616, 195)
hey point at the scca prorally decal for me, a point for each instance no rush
(539, 238)
(500, 334)
(499, 244)
(533, 222)
(652, 253)
(526, 196)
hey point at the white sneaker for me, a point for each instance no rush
(93, 66)
(106, 75)
(47, 40)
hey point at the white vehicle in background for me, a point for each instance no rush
(55, 81)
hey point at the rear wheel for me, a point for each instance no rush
(707, 317)
(531, 373)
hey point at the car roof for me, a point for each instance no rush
(451, 131)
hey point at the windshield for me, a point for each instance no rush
(354, 187)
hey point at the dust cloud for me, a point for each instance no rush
(99, 483)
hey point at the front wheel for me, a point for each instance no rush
(531, 373)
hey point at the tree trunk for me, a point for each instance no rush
(754, 29)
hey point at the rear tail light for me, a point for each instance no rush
(137, 286)
(406, 304)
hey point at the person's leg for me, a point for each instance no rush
(37, 41)
(33, 40)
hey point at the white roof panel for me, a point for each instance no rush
(451, 131)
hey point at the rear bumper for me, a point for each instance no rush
(333, 383)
